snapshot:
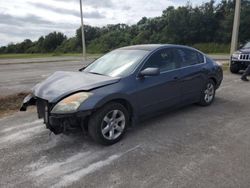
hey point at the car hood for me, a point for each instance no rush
(63, 83)
(244, 50)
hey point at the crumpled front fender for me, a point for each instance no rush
(29, 100)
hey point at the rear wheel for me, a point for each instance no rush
(208, 93)
(108, 125)
(234, 68)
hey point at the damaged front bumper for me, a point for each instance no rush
(65, 123)
(57, 123)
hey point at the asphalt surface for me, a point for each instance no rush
(21, 77)
(191, 147)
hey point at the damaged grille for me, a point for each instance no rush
(43, 108)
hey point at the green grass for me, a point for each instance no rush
(26, 56)
(45, 55)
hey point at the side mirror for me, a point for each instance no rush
(150, 71)
(241, 46)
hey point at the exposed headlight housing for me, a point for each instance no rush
(70, 104)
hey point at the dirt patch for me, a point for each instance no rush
(11, 103)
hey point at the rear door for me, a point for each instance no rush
(193, 74)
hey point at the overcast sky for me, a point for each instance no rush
(22, 19)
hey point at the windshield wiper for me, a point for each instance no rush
(96, 73)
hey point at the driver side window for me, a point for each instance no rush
(164, 59)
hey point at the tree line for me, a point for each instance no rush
(207, 27)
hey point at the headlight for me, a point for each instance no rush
(70, 104)
(235, 56)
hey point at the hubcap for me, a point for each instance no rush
(209, 93)
(113, 124)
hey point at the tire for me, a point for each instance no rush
(208, 93)
(234, 68)
(108, 125)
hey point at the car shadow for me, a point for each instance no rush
(75, 139)
(178, 113)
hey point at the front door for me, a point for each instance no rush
(155, 93)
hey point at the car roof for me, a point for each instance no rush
(151, 47)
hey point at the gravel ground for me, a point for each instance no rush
(191, 147)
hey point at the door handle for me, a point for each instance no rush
(176, 78)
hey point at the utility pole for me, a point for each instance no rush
(83, 36)
(235, 33)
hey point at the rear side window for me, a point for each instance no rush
(164, 59)
(190, 57)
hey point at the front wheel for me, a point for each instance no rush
(108, 124)
(234, 68)
(208, 93)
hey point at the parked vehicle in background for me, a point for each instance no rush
(240, 59)
(124, 86)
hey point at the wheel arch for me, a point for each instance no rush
(126, 103)
(214, 80)
(123, 101)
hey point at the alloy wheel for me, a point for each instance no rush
(209, 93)
(113, 124)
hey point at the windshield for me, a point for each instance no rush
(247, 45)
(117, 63)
